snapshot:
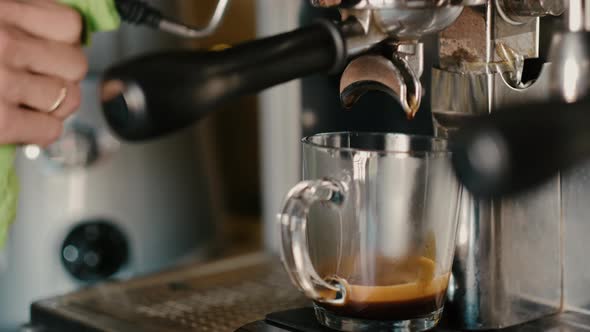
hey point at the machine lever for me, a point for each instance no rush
(153, 95)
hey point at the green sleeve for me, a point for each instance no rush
(8, 190)
(99, 15)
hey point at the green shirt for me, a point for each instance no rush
(99, 15)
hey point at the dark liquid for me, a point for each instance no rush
(397, 290)
(389, 310)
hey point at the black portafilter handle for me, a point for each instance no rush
(516, 149)
(153, 95)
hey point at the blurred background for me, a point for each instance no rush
(93, 208)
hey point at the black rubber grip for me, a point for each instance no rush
(157, 94)
(515, 149)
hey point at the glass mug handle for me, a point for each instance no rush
(295, 255)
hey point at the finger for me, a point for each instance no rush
(20, 51)
(71, 103)
(20, 126)
(47, 21)
(34, 91)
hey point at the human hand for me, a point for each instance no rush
(41, 65)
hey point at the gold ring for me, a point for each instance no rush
(63, 93)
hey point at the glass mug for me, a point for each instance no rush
(375, 254)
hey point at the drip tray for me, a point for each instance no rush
(220, 296)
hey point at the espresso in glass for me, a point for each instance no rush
(398, 290)
(369, 234)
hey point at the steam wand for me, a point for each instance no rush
(141, 13)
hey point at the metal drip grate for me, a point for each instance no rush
(224, 308)
(217, 297)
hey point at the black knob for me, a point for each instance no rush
(515, 149)
(94, 250)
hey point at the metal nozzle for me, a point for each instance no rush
(140, 12)
(377, 73)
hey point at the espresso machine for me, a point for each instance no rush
(519, 259)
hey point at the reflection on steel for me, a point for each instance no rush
(412, 23)
(519, 12)
(470, 45)
(570, 54)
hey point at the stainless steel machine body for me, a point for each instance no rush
(569, 82)
(508, 260)
(510, 255)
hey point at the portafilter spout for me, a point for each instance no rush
(374, 72)
(395, 65)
